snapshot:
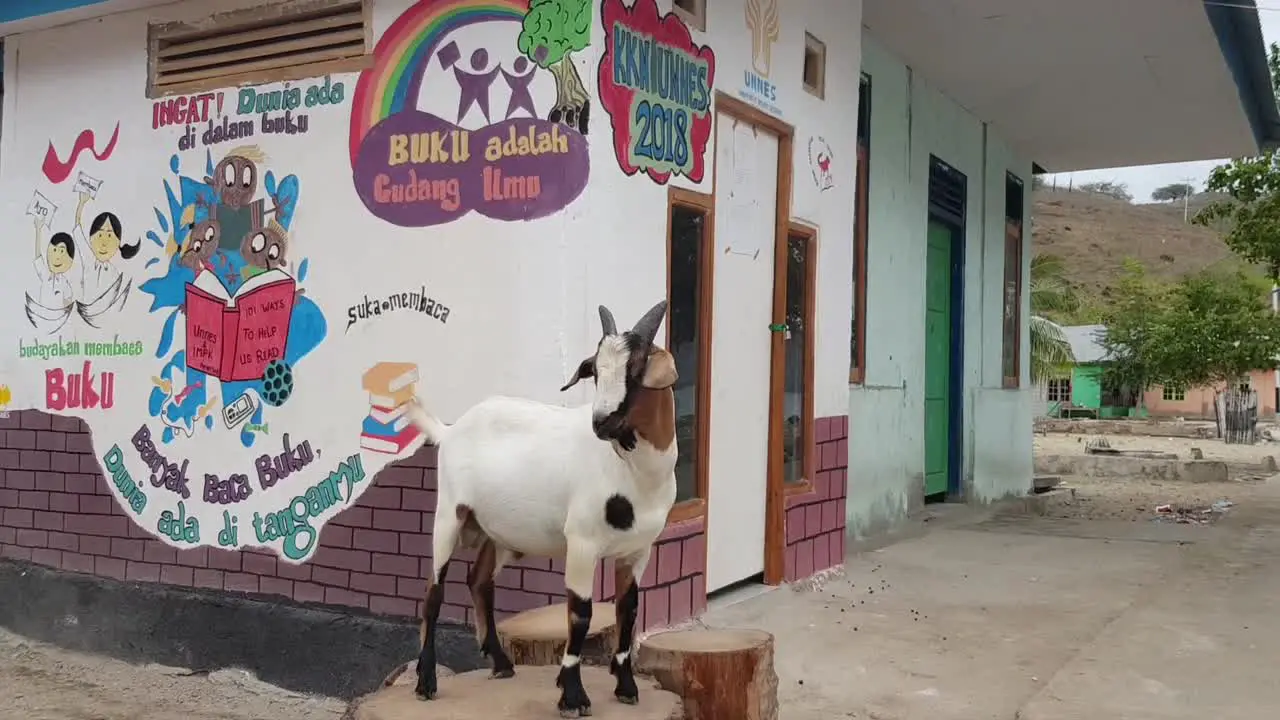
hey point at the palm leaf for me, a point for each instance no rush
(1051, 354)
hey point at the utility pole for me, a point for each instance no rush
(1186, 199)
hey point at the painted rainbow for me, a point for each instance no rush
(404, 51)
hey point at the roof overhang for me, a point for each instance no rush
(1095, 83)
(18, 16)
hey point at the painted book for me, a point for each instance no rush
(389, 378)
(387, 414)
(391, 444)
(384, 429)
(391, 401)
(232, 336)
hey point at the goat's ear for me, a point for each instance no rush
(660, 370)
(586, 369)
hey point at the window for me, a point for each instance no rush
(1173, 393)
(862, 210)
(815, 65)
(688, 336)
(288, 41)
(693, 12)
(1012, 330)
(1058, 390)
(797, 370)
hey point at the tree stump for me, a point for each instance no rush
(719, 673)
(538, 637)
(530, 695)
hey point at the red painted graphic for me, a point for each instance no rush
(70, 390)
(655, 84)
(234, 336)
(57, 170)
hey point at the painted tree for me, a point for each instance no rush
(1252, 213)
(552, 31)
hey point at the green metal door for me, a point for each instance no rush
(937, 358)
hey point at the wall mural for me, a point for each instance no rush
(655, 84)
(473, 105)
(820, 163)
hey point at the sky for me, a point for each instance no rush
(1143, 180)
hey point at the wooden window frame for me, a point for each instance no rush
(260, 22)
(812, 45)
(696, 19)
(1169, 393)
(1049, 386)
(679, 197)
(1014, 235)
(862, 212)
(809, 460)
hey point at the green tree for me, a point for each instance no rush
(1252, 211)
(1051, 297)
(552, 31)
(1132, 323)
(1207, 328)
(1173, 191)
(1108, 188)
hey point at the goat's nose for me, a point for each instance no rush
(600, 424)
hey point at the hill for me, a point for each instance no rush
(1093, 234)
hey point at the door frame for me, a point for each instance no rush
(958, 222)
(775, 531)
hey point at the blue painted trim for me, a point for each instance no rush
(955, 386)
(22, 9)
(1239, 34)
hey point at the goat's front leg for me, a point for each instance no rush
(579, 577)
(627, 574)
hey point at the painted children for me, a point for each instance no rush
(264, 249)
(235, 186)
(54, 264)
(202, 243)
(102, 277)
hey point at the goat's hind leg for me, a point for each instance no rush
(627, 572)
(443, 540)
(489, 562)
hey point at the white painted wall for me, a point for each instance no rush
(909, 121)
(521, 295)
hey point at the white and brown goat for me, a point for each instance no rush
(518, 477)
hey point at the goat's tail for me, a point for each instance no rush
(429, 424)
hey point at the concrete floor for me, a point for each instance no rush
(1033, 618)
(969, 616)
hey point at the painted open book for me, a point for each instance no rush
(232, 336)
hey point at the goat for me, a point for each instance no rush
(518, 477)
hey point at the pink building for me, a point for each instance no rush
(1198, 402)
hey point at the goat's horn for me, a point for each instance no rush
(606, 321)
(647, 326)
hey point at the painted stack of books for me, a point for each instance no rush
(387, 428)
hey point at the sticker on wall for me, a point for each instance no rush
(820, 163)
(655, 84)
(763, 25)
(473, 105)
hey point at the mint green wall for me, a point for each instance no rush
(1086, 386)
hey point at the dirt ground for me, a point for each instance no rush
(42, 682)
(1137, 498)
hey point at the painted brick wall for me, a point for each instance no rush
(56, 510)
(815, 519)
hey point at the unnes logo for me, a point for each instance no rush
(762, 22)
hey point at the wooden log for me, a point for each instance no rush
(530, 695)
(719, 673)
(539, 636)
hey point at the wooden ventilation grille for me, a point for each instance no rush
(260, 45)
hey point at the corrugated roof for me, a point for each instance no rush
(1084, 342)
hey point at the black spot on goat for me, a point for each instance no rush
(619, 513)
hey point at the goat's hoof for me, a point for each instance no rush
(627, 699)
(426, 688)
(572, 713)
(502, 673)
(425, 695)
